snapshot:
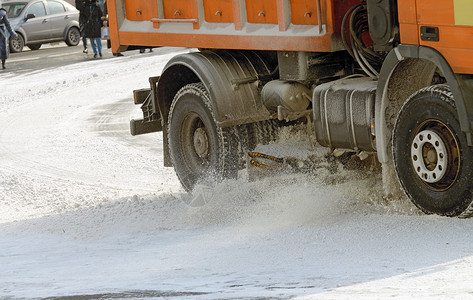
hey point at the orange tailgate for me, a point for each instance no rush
(218, 10)
(304, 12)
(262, 11)
(179, 9)
(141, 10)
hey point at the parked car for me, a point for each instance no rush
(42, 21)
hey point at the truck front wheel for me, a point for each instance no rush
(432, 159)
(200, 150)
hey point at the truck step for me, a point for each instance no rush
(139, 126)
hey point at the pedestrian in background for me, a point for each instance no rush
(4, 27)
(144, 50)
(93, 26)
(80, 5)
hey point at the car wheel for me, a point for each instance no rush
(17, 44)
(432, 158)
(73, 36)
(34, 46)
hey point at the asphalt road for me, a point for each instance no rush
(49, 56)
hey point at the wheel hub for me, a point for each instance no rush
(201, 142)
(429, 156)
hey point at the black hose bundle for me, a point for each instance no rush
(369, 60)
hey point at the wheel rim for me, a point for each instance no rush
(17, 44)
(435, 155)
(74, 36)
(201, 143)
(195, 143)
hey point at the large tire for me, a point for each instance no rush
(73, 36)
(432, 158)
(200, 150)
(34, 46)
(253, 134)
(17, 44)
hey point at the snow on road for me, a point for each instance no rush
(87, 210)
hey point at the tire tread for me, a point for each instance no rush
(446, 95)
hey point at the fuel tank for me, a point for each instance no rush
(344, 113)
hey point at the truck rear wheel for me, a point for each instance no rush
(200, 150)
(432, 159)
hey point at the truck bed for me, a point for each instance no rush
(283, 25)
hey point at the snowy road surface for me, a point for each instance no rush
(87, 210)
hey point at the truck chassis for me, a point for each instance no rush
(391, 78)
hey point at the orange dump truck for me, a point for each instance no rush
(392, 78)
